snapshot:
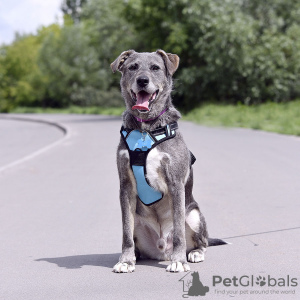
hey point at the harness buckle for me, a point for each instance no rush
(168, 130)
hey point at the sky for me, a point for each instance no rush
(25, 16)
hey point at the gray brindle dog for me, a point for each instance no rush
(172, 228)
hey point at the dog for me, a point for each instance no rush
(153, 159)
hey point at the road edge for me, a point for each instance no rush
(64, 129)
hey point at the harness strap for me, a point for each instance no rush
(162, 130)
(138, 158)
(139, 144)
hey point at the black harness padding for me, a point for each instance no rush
(193, 158)
(138, 158)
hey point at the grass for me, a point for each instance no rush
(275, 117)
(111, 111)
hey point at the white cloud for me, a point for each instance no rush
(25, 16)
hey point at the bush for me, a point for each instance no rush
(77, 61)
(233, 51)
(21, 82)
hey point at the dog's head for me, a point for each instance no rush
(146, 81)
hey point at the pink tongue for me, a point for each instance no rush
(142, 101)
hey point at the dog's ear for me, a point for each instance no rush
(118, 63)
(171, 61)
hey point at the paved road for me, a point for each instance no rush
(60, 221)
(21, 139)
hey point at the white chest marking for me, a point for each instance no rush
(152, 165)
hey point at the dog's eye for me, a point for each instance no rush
(133, 67)
(155, 68)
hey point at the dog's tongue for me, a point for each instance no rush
(142, 101)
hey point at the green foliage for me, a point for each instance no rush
(20, 77)
(77, 61)
(234, 51)
(70, 66)
(73, 8)
(237, 51)
(109, 33)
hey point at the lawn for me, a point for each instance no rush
(111, 111)
(276, 117)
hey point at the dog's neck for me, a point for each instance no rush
(170, 116)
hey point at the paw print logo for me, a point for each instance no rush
(261, 281)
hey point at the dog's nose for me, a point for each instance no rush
(142, 81)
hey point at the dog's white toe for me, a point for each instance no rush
(196, 256)
(123, 268)
(177, 267)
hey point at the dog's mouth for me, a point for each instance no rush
(143, 100)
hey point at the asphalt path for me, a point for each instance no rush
(60, 220)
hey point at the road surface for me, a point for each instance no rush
(60, 220)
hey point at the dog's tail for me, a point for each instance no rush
(216, 242)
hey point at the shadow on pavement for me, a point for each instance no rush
(98, 260)
(78, 261)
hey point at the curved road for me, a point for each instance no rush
(60, 221)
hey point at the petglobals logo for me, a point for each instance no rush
(192, 286)
(253, 281)
(237, 285)
(254, 285)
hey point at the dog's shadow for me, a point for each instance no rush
(97, 260)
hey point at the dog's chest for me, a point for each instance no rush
(155, 164)
(146, 162)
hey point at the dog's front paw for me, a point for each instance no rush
(177, 266)
(196, 256)
(123, 267)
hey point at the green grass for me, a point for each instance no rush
(276, 117)
(111, 111)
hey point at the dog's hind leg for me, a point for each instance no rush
(196, 235)
(195, 225)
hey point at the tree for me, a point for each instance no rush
(109, 33)
(69, 65)
(21, 81)
(229, 51)
(73, 9)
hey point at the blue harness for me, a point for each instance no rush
(139, 144)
